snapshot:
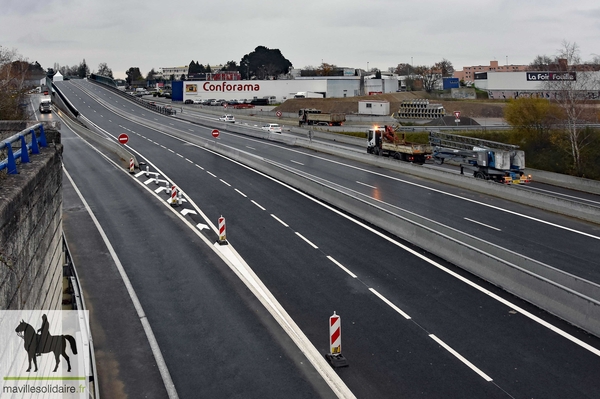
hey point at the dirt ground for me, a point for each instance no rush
(349, 105)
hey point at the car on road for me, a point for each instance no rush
(45, 105)
(198, 101)
(227, 118)
(272, 127)
(216, 102)
(188, 101)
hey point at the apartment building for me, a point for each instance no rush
(468, 73)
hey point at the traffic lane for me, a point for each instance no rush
(550, 251)
(209, 327)
(476, 327)
(268, 228)
(385, 385)
(580, 196)
(470, 213)
(124, 359)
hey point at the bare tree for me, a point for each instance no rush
(429, 76)
(570, 89)
(104, 70)
(14, 71)
(541, 63)
(445, 68)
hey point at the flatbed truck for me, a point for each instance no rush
(384, 141)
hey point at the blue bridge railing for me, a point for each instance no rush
(29, 140)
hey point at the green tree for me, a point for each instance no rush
(152, 74)
(326, 69)
(231, 66)
(195, 67)
(264, 63)
(133, 75)
(83, 70)
(534, 117)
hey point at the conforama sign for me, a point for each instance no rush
(213, 86)
(551, 76)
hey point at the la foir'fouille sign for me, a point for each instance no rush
(551, 76)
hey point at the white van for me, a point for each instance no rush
(271, 99)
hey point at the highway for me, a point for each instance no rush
(413, 325)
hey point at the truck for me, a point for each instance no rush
(311, 116)
(488, 160)
(384, 141)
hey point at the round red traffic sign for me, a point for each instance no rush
(123, 138)
(215, 133)
(278, 113)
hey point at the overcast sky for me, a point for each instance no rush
(349, 33)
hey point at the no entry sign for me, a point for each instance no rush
(123, 138)
(215, 133)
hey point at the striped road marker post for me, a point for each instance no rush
(335, 357)
(131, 166)
(222, 231)
(173, 200)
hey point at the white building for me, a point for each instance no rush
(166, 72)
(330, 87)
(501, 85)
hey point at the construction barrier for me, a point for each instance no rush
(335, 334)
(173, 200)
(335, 357)
(222, 231)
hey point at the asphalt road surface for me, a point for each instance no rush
(413, 325)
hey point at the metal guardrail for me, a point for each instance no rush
(78, 303)
(146, 104)
(33, 143)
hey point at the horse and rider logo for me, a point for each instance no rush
(40, 342)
